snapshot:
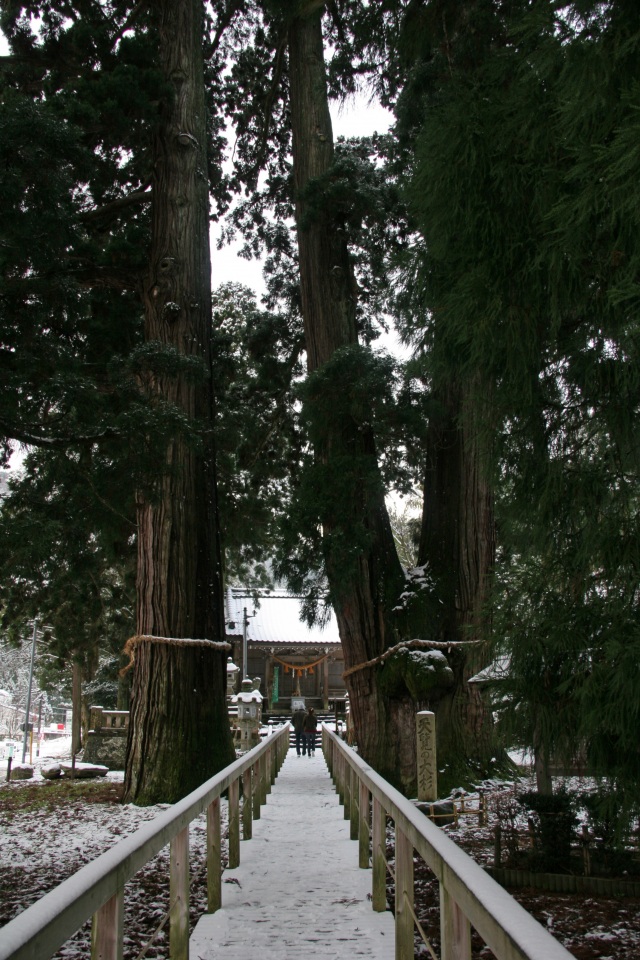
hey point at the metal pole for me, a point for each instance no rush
(26, 722)
(39, 725)
(244, 643)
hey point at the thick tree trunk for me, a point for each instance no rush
(179, 731)
(458, 543)
(175, 716)
(363, 599)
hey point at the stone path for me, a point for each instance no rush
(298, 893)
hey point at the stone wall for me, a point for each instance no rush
(107, 739)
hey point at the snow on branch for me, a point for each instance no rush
(411, 645)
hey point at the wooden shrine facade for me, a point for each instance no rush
(291, 658)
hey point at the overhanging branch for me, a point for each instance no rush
(30, 439)
(113, 209)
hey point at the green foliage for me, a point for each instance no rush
(360, 197)
(69, 557)
(609, 818)
(78, 108)
(524, 186)
(515, 152)
(71, 153)
(356, 424)
(554, 824)
(257, 362)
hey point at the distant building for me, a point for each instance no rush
(289, 657)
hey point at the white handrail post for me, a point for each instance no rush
(364, 830)
(179, 897)
(268, 770)
(214, 855)
(340, 777)
(379, 859)
(264, 790)
(255, 769)
(234, 824)
(455, 929)
(247, 804)
(107, 929)
(346, 790)
(404, 897)
(354, 814)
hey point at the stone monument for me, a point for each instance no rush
(426, 748)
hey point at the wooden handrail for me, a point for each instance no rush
(468, 895)
(97, 889)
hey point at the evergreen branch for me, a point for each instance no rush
(127, 23)
(264, 137)
(11, 432)
(277, 75)
(93, 276)
(113, 208)
(260, 446)
(336, 16)
(105, 503)
(225, 21)
(295, 356)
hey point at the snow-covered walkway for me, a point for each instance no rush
(298, 892)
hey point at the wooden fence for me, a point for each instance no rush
(468, 896)
(97, 890)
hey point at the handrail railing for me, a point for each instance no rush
(97, 889)
(468, 896)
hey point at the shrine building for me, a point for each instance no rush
(291, 658)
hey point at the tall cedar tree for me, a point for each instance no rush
(532, 278)
(87, 373)
(441, 41)
(179, 729)
(338, 509)
(365, 576)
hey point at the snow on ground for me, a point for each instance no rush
(79, 833)
(591, 928)
(313, 899)
(41, 845)
(298, 891)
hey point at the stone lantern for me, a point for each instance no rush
(232, 673)
(249, 701)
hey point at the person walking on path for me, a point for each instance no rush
(298, 727)
(310, 728)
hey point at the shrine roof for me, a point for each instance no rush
(275, 620)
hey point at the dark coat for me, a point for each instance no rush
(310, 723)
(297, 720)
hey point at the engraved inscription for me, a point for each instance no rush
(426, 748)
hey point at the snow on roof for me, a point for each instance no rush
(276, 621)
(498, 670)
